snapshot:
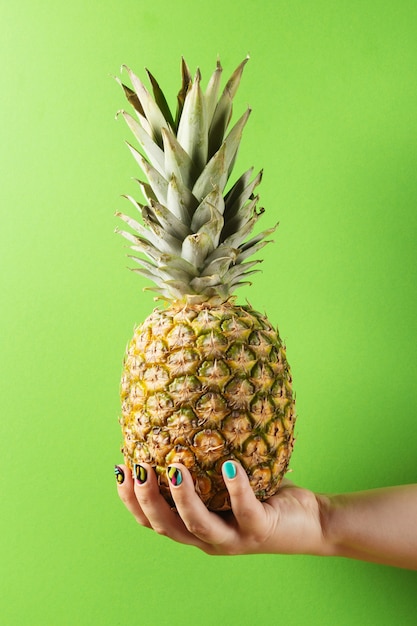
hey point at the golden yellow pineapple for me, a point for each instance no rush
(204, 379)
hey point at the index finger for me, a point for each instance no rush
(206, 525)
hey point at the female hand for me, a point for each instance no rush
(287, 523)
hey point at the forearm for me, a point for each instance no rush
(378, 525)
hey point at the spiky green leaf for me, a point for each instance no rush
(185, 85)
(223, 111)
(240, 193)
(217, 171)
(192, 128)
(212, 92)
(177, 161)
(152, 150)
(180, 200)
(151, 110)
(168, 221)
(157, 182)
(196, 248)
(161, 100)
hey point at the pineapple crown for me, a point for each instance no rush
(194, 235)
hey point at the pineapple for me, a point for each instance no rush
(204, 378)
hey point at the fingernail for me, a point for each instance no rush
(140, 474)
(229, 469)
(175, 476)
(120, 475)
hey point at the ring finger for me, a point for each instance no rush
(160, 516)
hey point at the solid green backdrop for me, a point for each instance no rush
(333, 90)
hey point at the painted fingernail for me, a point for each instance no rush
(175, 476)
(120, 475)
(140, 474)
(229, 469)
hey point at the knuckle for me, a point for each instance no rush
(259, 537)
(199, 529)
(126, 497)
(160, 530)
(247, 518)
(142, 521)
(230, 550)
(230, 547)
(145, 499)
(238, 492)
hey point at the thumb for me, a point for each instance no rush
(247, 509)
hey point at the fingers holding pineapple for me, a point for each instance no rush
(286, 523)
(124, 480)
(161, 517)
(140, 492)
(234, 532)
(190, 522)
(246, 529)
(250, 527)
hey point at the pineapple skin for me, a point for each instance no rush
(204, 383)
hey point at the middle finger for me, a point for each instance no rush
(162, 518)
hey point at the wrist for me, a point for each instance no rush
(329, 536)
(336, 527)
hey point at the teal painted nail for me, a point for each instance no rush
(229, 469)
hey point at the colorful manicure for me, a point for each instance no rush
(140, 474)
(120, 475)
(174, 476)
(229, 469)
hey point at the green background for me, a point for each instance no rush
(333, 89)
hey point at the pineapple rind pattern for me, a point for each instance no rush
(229, 396)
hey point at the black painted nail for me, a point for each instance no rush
(140, 474)
(120, 475)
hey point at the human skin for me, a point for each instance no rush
(377, 525)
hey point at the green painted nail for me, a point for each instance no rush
(229, 469)
(140, 474)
